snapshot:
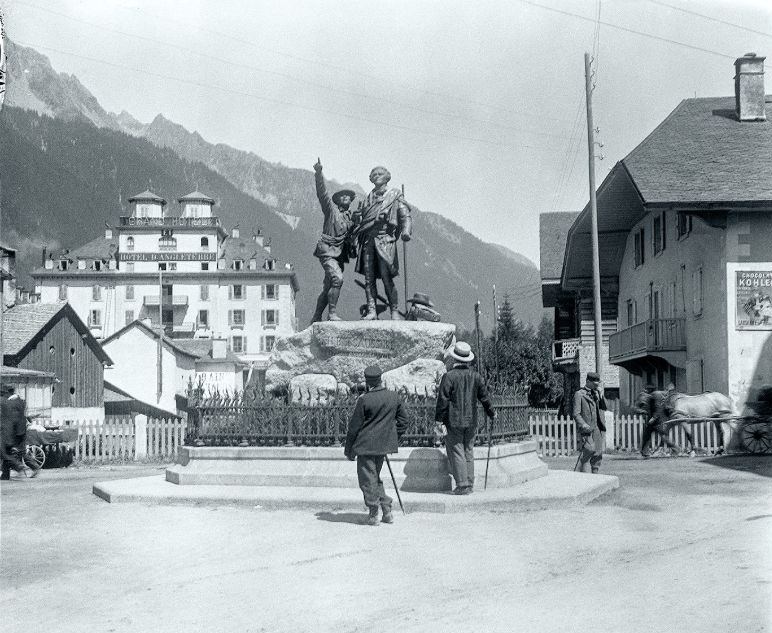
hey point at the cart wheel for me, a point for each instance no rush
(756, 437)
(35, 456)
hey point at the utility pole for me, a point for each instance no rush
(477, 333)
(594, 214)
(160, 335)
(495, 334)
(404, 259)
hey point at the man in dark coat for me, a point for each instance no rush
(379, 419)
(652, 404)
(13, 432)
(589, 405)
(332, 249)
(460, 390)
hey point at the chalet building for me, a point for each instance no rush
(203, 362)
(182, 271)
(685, 228)
(51, 338)
(12, 293)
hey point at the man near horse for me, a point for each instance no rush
(651, 403)
(332, 249)
(589, 405)
(383, 218)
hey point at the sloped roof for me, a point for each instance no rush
(98, 248)
(150, 332)
(196, 196)
(553, 231)
(147, 195)
(202, 348)
(701, 153)
(19, 372)
(25, 322)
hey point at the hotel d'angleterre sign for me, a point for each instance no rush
(753, 300)
(171, 256)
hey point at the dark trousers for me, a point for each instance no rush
(375, 267)
(650, 429)
(369, 475)
(11, 460)
(459, 444)
(591, 451)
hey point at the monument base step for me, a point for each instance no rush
(559, 489)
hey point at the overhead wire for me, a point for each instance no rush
(333, 89)
(709, 17)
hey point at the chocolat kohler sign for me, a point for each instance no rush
(168, 257)
(753, 300)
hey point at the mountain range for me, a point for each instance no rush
(68, 165)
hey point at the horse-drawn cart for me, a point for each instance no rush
(50, 447)
(754, 432)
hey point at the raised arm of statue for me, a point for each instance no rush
(321, 189)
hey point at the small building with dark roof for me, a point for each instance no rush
(51, 337)
(685, 233)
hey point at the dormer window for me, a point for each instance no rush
(270, 264)
(63, 264)
(238, 264)
(97, 265)
(130, 244)
(204, 243)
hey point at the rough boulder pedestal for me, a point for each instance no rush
(420, 376)
(344, 348)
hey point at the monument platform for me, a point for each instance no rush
(415, 469)
(558, 489)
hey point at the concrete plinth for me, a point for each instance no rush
(415, 469)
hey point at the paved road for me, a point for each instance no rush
(683, 545)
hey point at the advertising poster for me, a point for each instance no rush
(753, 300)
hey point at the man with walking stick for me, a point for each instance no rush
(460, 390)
(379, 419)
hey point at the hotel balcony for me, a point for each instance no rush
(661, 338)
(174, 301)
(565, 352)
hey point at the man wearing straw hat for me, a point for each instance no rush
(460, 390)
(379, 419)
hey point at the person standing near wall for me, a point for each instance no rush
(587, 412)
(13, 432)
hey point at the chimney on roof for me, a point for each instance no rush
(235, 233)
(258, 237)
(45, 252)
(108, 231)
(749, 88)
(49, 264)
(219, 348)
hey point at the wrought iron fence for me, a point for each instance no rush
(250, 419)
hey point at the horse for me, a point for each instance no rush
(710, 404)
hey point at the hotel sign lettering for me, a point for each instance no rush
(169, 222)
(753, 300)
(172, 256)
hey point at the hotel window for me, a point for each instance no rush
(62, 292)
(238, 344)
(267, 343)
(96, 265)
(129, 267)
(167, 242)
(129, 316)
(204, 243)
(697, 292)
(95, 318)
(204, 293)
(236, 318)
(204, 265)
(640, 255)
(269, 264)
(130, 244)
(236, 291)
(660, 230)
(238, 264)
(63, 264)
(683, 225)
(96, 292)
(271, 291)
(203, 319)
(270, 318)
(129, 293)
(170, 266)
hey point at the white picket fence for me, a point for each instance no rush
(556, 435)
(123, 438)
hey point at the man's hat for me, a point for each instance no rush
(343, 192)
(592, 375)
(421, 299)
(462, 352)
(6, 390)
(373, 373)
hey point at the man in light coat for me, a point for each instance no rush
(589, 405)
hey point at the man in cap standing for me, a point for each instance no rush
(379, 419)
(332, 249)
(460, 390)
(588, 408)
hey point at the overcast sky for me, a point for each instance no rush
(477, 107)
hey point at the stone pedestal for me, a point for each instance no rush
(415, 469)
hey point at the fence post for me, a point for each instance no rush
(140, 437)
(610, 429)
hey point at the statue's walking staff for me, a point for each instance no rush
(404, 257)
(394, 481)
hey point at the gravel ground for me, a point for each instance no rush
(683, 545)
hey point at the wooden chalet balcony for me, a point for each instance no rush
(565, 351)
(654, 337)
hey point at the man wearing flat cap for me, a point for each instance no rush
(332, 249)
(13, 432)
(379, 419)
(460, 390)
(589, 405)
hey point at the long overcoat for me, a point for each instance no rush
(585, 412)
(378, 420)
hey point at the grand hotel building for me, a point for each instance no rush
(183, 270)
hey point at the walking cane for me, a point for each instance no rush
(394, 481)
(488, 460)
